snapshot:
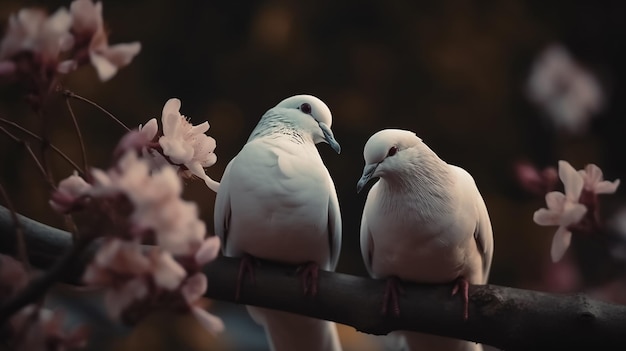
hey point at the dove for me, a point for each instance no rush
(277, 202)
(424, 221)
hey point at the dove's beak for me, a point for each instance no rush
(368, 172)
(330, 138)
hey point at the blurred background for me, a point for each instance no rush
(486, 84)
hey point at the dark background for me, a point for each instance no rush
(454, 72)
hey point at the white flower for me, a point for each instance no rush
(594, 180)
(106, 59)
(32, 30)
(186, 144)
(563, 210)
(69, 190)
(568, 93)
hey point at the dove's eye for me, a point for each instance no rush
(305, 108)
(392, 151)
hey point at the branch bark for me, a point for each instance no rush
(504, 317)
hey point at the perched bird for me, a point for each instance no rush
(424, 221)
(277, 202)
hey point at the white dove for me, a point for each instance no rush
(277, 201)
(424, 221)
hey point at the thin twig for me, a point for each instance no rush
(56, 149)
(78, 132)
(71, 94)
(22, 254)
(32, 154)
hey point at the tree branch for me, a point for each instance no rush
(507, 318)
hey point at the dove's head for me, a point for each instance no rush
(388, 152)
(312, 114)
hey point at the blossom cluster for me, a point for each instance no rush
(181, 144)
(34, 327)
(139, 201)
(568, 93)
(59, 43)
(143, 205)
(577, 207)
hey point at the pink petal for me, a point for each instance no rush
(171, 107)
(211, 323)
(196, 169)
(66, 66)
(572, 213)
(594, 173)
(106, 70)
(167, 273)
(606, 187)
(121, 55)
(200, 128)
(571, 179)
(150, 129)
(546, 217)
(560, 242)
(208, 251)
(555, 201)
(194, 287)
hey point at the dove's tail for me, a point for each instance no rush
(426, 342)
(288, 331)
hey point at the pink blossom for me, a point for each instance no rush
(40, 329)
(569, 94)
(186, 144)
(563, 210)
(208, 251)
(13, 277)
(594, 181)
(31, 30)
(87, 21)
(69, 191)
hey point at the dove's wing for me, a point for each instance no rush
(367, 243)
(222, 212)
(483, 234)
(334, 226)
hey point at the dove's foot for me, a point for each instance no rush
(309, 273)
(393, 289)
(463, 285)
(245, 267)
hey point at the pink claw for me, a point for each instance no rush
(393, 290)
(463, 284)
(309, 273)
(245, 267)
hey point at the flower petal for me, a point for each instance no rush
(167, 272)
(572, 213)
(555, 200)
(606, 187)
(210, 322)
(546, 217)
(208, 251)
(571, 179)
(121, 54)
(194, 287)
(150, 129)
(560, 242)
(106, 70)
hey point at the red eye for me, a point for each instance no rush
(306, 108)
(392, 151)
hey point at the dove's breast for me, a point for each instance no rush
(279, 201)
(408, 244)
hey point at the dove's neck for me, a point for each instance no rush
(277, 125)
(424, 183)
